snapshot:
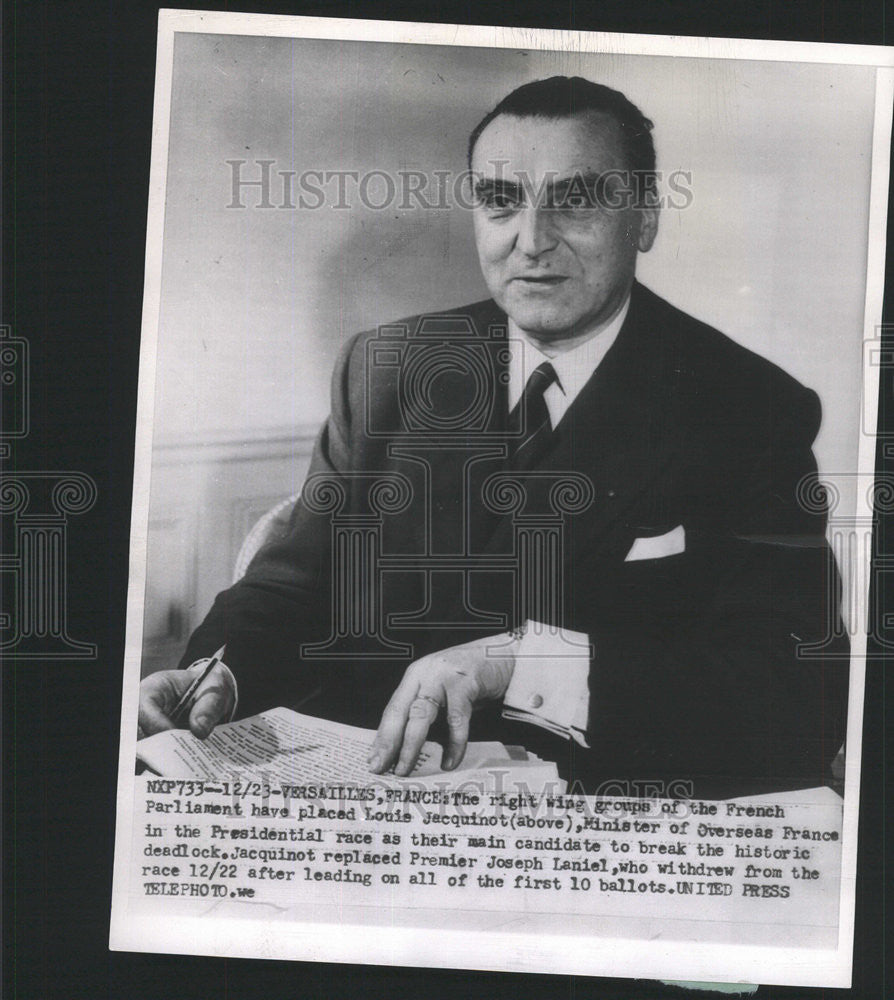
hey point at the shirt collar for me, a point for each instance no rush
(573, 368)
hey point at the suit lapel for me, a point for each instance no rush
(456, 445)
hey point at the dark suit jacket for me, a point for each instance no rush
(699, 673)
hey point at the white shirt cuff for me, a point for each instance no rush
(549, 683)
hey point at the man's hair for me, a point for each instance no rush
(565, 96)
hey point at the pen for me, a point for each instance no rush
(189, 693)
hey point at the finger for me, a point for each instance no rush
(423, 712)
(390, 734)
(459, 712)
(158, 694)
(151, 717)
(212, 703)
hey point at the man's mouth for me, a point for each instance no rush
(541, 279)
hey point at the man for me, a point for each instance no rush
(666, 641)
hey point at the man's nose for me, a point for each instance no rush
(535, 232)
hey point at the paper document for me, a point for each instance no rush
(285, 746)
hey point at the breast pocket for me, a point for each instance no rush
(659, 546)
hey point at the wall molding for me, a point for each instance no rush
(224, 446)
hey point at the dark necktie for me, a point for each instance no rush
(534, 416)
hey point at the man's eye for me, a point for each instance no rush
(500, 202)
(574, 201)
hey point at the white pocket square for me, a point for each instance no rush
(658, 546)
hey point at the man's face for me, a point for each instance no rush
(558, 262)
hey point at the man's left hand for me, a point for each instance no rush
(455, 680)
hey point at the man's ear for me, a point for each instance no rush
(648, 228)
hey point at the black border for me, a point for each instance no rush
(77, 98)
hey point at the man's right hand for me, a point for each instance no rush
(213, 703)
